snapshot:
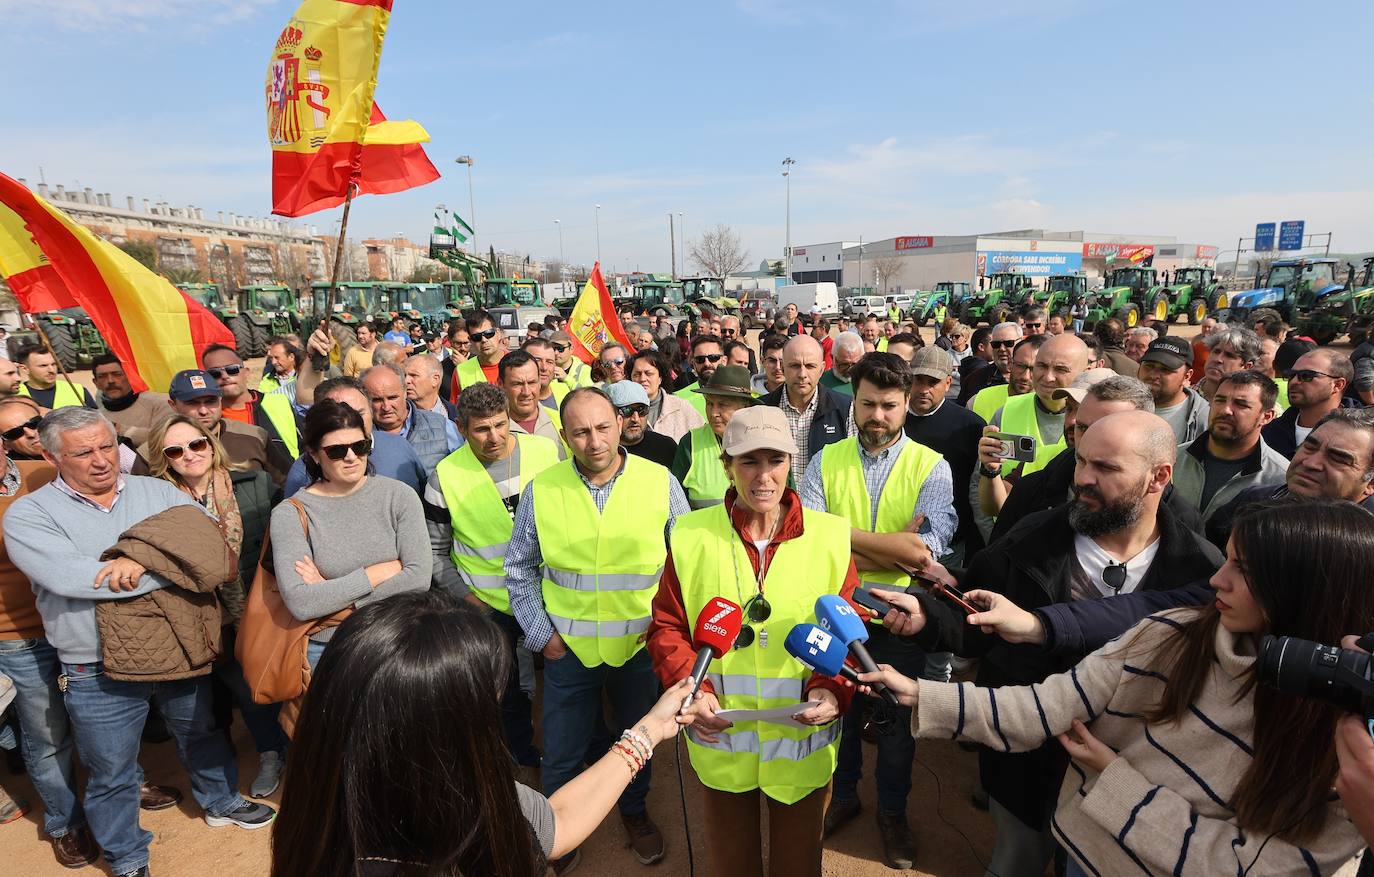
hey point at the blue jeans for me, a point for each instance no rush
(313, 652)
(572, 713)
(260, 718)
(108, 717)
(1077, 327)
(897, 749)
(45, 732)
(516, 710)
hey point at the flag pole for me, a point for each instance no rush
(47, 345)
(321, 363)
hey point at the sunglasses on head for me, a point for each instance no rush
(1308, 374)
(1009, 343)
(195, 446)
(709, 357)
(15, 432)
(337, 452)
(221, 371)
(639, 408)
(482, 336)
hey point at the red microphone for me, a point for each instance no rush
(717, 627)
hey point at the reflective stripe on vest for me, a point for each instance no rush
(706, 481)
(846, 495)
(63, 395)
(786, 763)
(987, 400)
(278, 410)
(481, 524)
(470, 372)
(1018, 417)
(693, 398)
(601, 569)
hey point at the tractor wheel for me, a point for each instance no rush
(60, 337)
(1219, 301)
(1197, 311)
(1264, 315)
(242, 327)
(966, 316)
(921, 321)
(1129, 316)
(1159, 307)
(999, 315)
(258, 345)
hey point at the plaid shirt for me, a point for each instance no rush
(800, 424)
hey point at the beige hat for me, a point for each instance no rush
(762, 427)
(1083, 382)
(932, 362)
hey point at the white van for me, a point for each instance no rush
(810, 296)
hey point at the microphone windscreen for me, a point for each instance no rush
(718, 625)
(833, 613)
(817, 649)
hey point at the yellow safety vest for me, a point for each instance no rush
(786, 763)
(1282, 401)
(695, 399)
(278, 410)
(881, 346)
(987, 400)
(579, 375)
(1018, 417)
(601, 569)
(846, 495)
(63, 396)
(268, 384)
(470, 372)
(481, 525)
(706, 481)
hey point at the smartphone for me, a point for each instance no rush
(1020, 448)
(864, 597)
(926, 581)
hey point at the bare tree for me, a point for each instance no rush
(719, 252)
(887, 267)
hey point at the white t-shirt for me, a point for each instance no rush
(1301, 433)
(1093, 560)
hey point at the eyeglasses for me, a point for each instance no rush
(482, 336)
(15, 432)
(561, 348)
(218, 373)
(1003, 344)
(710, 357)
(727, 331)
(1308, 374)
(195, 446)
(639, 408)
(338, 452)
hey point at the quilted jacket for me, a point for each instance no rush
(173, 632)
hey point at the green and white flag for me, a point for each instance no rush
(441, 230)
(463, 224)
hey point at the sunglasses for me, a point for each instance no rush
(639, 408)
(561, 348)
(1003, 344)
(218, 373)
(338, 452)
(710, 357)
(1308, 374)
(1034, 325)
(482, 336)
(727, 331)
(15, 432)
(757, 610)
(615, 362)
(1114, 576)
(195, 446)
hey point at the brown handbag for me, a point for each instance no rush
(272, 642)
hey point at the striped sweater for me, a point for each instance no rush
(1161, 807)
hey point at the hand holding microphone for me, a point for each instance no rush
(839, 618)
(717, 627)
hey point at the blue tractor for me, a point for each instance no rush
(1291, 289)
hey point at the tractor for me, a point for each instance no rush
(1194, 293)
(1124, 296)
(949, 293)
(1349, 310)
(73, 336)
(354, 302)
(1061, 291)
(1291, 289)
(993, 302)
(266, 311)
(433, 305)
(461, 296)
(225, 309)
(707, 296)
(515, 302)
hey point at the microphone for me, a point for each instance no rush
(717, 627)
(820, 652)
(839, 618)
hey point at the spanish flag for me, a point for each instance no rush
(325, 129)
(51, 261)
(594, 322)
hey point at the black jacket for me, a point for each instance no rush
(831, 423)
(1031, 565)
(978, 379)
(255, 494)
(953, 431)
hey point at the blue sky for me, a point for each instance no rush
(1195, 119)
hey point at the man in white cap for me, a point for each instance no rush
(632, 402)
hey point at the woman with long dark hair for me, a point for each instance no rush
(1183, 764)
(399, 768)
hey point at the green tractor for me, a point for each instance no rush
(1125, 295)
(73, 336)
(461, 296)
(706, 295)
(354, 302)
(1349, 310)
(949, 293)
(994, 302)
(430, 304)
(266, 311)
(1194, 293)
(1289, 291)
(225, 309)
(1061, 291)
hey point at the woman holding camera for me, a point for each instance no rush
(1183, 762)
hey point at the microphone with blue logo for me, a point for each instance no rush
(835, 615)
(820, 652)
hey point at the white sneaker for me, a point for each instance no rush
(269, 775)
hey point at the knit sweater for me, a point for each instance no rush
(1161, 806)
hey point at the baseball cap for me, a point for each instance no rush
(624, 393)
(1082, 383)
(1170, 352)
(192, 384)
(762, 427)
(933, 363)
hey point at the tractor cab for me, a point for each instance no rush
(511, 292)
(1195, 277)
(1061, 291)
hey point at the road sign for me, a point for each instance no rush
(1291, 234)
(1264, 237)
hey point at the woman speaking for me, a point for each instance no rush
(762, 550)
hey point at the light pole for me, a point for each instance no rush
(598, 232)
(787, 251)
(472, 210)
(682, 233)
(562, 266)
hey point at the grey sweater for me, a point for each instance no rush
(56, 540)
(382, 520)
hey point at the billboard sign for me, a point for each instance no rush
(1207, 253)
(915, 243)
(799, 251)
(1038, 264)
(1264, 237)
(1291, 234)
(1128, 252)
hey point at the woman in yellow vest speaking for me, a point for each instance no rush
(762, 550)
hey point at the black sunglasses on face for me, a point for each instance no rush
(709, 357)
(482, 336)
(195, 446)
(338, 452)
(639, 408)
(727, 331)
(1034, 325)
(1011, 343)
(561, 348)
(1308, 374)
(15, 432)
(218, 373)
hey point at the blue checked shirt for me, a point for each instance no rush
(524, 559)
(935, 501)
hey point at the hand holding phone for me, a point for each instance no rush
(1020, 448)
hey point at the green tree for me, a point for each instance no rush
(184, 275)
(143, 252)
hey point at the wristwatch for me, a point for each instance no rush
(988, 473)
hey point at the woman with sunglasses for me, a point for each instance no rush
(1184, 762)
(761, 550)
(367, 538)
(181, 451)
(668, 414)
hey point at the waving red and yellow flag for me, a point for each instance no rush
(51, 261)
(324, 126)
(594, 323)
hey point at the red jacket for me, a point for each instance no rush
(670, 631)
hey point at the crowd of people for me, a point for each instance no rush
(418, 532)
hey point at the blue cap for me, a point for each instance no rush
(192, 384)
(624, 393)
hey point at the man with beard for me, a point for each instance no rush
(1164, 368)
(1316, 387)
(846, 352)
(1113, 537)
(1231, 455)
(707, 355)
(632, 402)
(985, 390)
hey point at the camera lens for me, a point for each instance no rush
(1307, 669)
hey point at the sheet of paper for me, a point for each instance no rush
(778, 715)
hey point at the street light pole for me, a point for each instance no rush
(682, 235)
(472, 210)
(562, 266)
(598, 232)
(787, 251)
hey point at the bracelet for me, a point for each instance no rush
(629, 760)
(632, 741)
(641, 734)
(988, 473)
(631, 757)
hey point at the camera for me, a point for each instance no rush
(1341, 677)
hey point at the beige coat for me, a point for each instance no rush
(677, 418)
